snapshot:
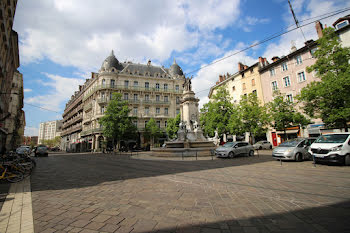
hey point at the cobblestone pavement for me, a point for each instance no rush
(110, 193)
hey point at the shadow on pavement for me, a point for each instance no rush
(76, 171)
(332, 218)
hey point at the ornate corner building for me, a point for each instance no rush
(151, 91)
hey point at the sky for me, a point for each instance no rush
(62, 41)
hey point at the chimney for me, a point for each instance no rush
(245, 67)
(240, 66)
(275, 58)
(319, 28)
(308, 42)
(265, 62)
(221, 78)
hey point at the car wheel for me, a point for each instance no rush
(230, 155)
(251, 153)
(298, 157)
(260, 148)
(347, 160)
(270, 147)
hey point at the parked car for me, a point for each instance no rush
(23, 150)
(41, 150)
(294, 149)
(262, 145)
(232, 149)
(332, 148)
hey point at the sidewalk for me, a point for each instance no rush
(16, 214)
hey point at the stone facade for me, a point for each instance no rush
(151, 91)
(15, 122)
(9, 62)
(72, 122)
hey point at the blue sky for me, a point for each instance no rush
(62, 41)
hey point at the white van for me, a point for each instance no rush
(332, 148)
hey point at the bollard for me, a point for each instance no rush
(313, 158)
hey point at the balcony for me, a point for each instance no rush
(102, 100)
(87, 107)
(131, 88)
(91, 131)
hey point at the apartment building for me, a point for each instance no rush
(9, 62)
(72, 122)
(247, 80)
(15, 122)
(342, 28)
(49, 130)
(151, 91)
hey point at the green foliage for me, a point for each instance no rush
(283, 113)
(117, 124)
(52, 142)
(152, 131)
(329, 99)
(249, 116)
(216, 114)
(173, 126)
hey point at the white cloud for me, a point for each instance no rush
(60, 90)
(27, 90)
(81, 33)
(31, 131)
(304, 10)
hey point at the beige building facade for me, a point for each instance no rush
(151, 91)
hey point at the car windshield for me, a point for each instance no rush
(291, 143)
(258, 143)
(332, 138)
(228, 144)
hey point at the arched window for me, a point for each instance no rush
(103, 82)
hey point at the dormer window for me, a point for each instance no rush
(342, 24)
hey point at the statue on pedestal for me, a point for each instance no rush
(187, 84)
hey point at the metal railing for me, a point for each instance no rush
(132, 88)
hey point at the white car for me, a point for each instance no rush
(262, 145)
(332, 148)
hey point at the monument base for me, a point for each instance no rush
(179, 152)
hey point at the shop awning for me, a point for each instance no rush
(288, 131)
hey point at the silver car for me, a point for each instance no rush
(294, 149)
(262, 145)
(232, 149)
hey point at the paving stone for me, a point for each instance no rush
(109, 228)
(80, 223)
(94, 225)
(244, 194)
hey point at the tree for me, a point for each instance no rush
(284, 115)
(329, 98)
(173, 126)
(215, 115)
(249, 116)
(116, 123)
(152, 131)
(52, 142)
